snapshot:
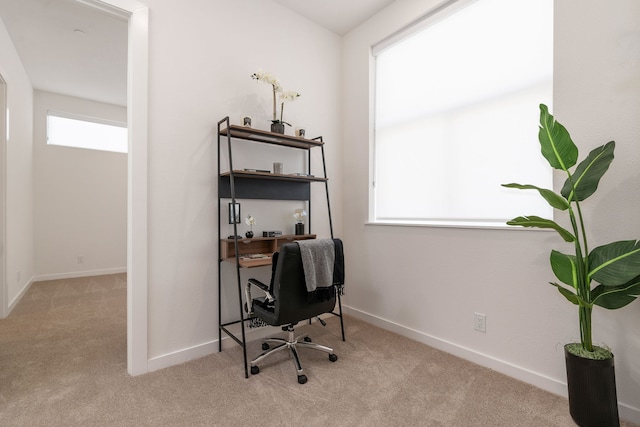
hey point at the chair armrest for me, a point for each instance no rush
(260, 285)
(264, 288)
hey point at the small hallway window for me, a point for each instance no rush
(71, 130)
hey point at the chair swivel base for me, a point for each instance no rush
(291, 344)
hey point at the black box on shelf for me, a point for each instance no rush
(271, 233)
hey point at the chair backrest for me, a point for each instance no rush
(290, 290)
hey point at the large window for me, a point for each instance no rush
(456, 114)
(70, 130)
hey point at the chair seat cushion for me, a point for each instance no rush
(264, 310)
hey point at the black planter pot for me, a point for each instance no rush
(592, 391)
(277, 128)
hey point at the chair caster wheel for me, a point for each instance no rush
(302, 379)
(265, 346)
(307, 339)
(255, 370)
(333, 357)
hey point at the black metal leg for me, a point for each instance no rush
(340, 308)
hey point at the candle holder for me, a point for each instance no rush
(299, 215)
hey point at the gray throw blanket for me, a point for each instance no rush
(318, 257)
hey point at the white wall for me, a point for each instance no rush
(19, 173)
(80, 197)
(426, 282)
(201, 59)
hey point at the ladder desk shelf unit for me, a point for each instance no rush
(242, 184)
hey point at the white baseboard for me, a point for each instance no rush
(74, 274)
(552, 385)
(205, 349)
(18, 297)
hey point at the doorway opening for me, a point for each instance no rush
(137, 15)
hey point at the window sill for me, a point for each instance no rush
(488, 225)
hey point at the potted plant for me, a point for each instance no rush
(607, 276)
(285, 96)
(277, 125)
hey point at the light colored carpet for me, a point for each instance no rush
(63, 362)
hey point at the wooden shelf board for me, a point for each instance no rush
(267, 137)
(288, 237)
(275, 176)
(256, 262)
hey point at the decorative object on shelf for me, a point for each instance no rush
(300, 132)
(246, 121)
(277, 167)
(299, 215)
(285, 96)
(250, 221)
(614, 266)
(277, 125)
(234, 213)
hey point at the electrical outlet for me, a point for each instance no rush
(80, 259)
(480, 322)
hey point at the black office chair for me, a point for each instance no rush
(288, 301)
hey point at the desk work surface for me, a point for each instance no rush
(257, 251)
(255, 260)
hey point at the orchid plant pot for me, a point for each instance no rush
(277, 127)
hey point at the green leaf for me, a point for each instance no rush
(565, 268)
(616, 263)
(615, 297)
(588, 173)
(573, 298)
(555, 142)
(554, 199)
(537, 222)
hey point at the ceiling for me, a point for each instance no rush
(339, 16)
(69, 48)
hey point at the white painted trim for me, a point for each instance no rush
(205, 349)
(111, 8)
(5, 309)
(537, 379)
(18, 297)
(137, 234)
(182, 356)
(74, 274)
(629, 413)
(137, 118)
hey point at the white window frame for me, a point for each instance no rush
(440, 12)
(122, 147)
